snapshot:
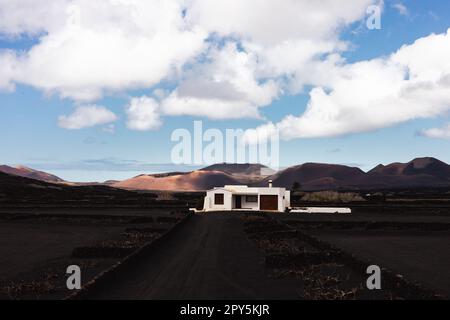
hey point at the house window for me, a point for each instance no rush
(218, 198)
(251, 198)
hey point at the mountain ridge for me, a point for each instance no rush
(419, 172)
(26, 172)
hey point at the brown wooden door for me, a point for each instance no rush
(268, 202)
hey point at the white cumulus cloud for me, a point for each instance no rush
(270, 23)
(275, 56)
(437, 133)
(89, 48)
(95, 47)
(412, 83)
(224, 59)
(143, 114)
(86, 116)
(225, 87)
(31, 16)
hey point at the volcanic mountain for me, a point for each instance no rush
(426, 166)
(179, 181)
(316, 176)
(249, 169)
(418, 172)
(244, 173)
(26, 172)
(26, 192)
(310, 176)
(10, 181)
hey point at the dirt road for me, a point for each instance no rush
(210, 257)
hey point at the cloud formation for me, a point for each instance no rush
(89, 48)
(412, 83)
(86, 116)
(223, 59)
(224, 87)
(437, 133)
(143, 114)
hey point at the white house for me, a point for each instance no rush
(246, 198)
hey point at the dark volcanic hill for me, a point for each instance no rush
(316, 176)
(420, 172)
(186, 181)
(395, 168)
(311, 176)
(22, 187)
(10, 181)
(250, 169)
(22, 171)
(426, 166)
(16, 191)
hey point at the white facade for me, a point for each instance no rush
(246, 198)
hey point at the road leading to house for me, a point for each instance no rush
(210, 257)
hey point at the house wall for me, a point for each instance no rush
(248, 205)
(287, 199)
(229, 199)
(209, 200)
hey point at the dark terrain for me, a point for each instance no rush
(412, 245)
(248, 256)
(210, 258)
(45, 227)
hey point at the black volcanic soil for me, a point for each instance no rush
(210, 258)
(27, 245)
(330, 260)
(411, 243)
(241, 256)
(422, 256)
(38, 245)
(214, 256)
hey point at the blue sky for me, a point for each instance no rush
(32, 136)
